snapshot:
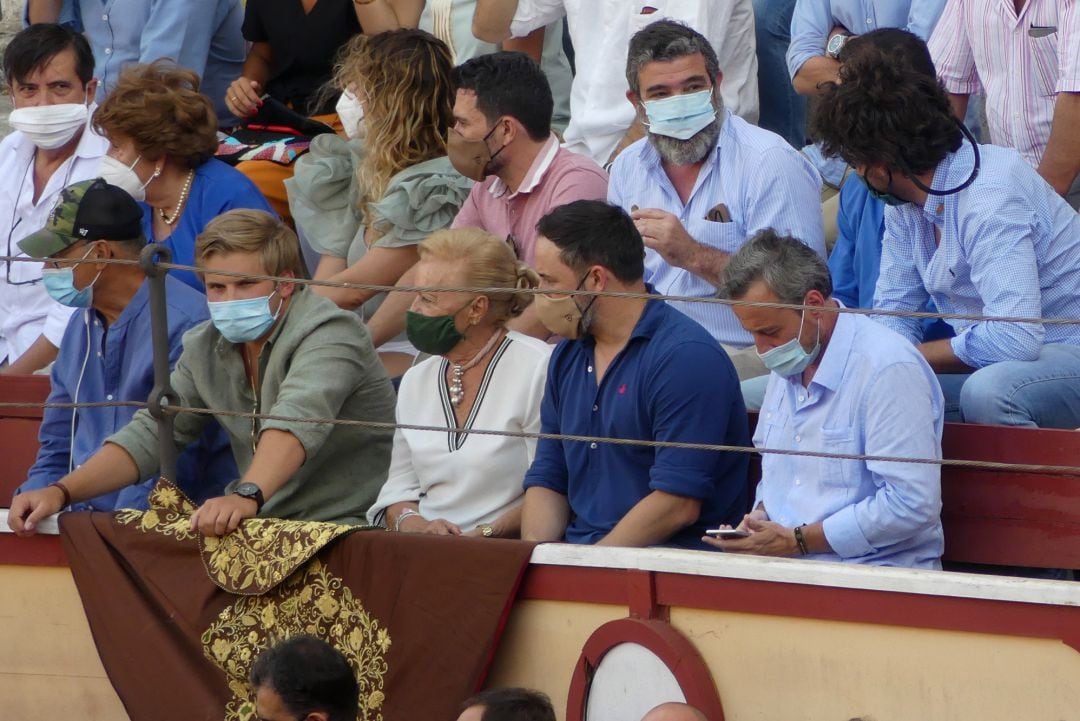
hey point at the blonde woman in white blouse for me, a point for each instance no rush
(481, 376)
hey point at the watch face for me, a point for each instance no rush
(247, 490)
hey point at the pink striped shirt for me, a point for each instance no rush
(1021, 60)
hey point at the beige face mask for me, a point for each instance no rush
(561, 315)
(471, 158)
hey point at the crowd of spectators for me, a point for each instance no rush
(579, 161)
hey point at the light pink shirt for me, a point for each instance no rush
(556, 177)
(1021, 61)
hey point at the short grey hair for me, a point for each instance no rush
(787, 266)
(666, 40)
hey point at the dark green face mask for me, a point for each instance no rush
(887, 198)
(434, 334)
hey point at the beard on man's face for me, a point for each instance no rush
(695, 148)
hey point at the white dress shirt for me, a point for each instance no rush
(26, 310)
(467, 479)
(601, 30)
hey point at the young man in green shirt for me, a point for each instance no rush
(273, 348)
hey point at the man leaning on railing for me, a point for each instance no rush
(272, 348)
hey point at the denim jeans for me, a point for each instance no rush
(1043, 393)
(782, 110)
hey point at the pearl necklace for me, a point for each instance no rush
(170, 219)
(457, 370)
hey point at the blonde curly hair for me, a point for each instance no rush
(402, 78)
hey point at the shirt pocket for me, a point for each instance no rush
(1044, 62)
(728, 237)
(839, 472)
(687, 11)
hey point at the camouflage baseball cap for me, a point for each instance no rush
(87, 210)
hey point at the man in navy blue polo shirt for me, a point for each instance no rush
(630, 368)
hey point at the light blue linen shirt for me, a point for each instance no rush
(1010, 246)
(763, 181)
(873, 394)
(814, 20)
(201, 35)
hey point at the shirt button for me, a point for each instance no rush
(801, 398)
(595, 408)
(592, 446)
(108, 397)
(105, 18)
(590, 369)
(769, 414)
(798, 439)
(99, 354)
(798, 482)
(869, 21)
(108, 51)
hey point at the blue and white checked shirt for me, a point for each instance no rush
(1010, 246)
(763, 181)
(814, 20)
(873, 394)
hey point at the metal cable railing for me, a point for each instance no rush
(155, 262)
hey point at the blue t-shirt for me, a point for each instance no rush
(672, 382)
(215, 189)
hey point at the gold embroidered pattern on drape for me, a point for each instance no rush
(312, 601)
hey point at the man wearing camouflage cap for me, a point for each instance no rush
(106, 351)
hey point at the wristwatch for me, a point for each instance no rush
(250, 490)
(836, 43)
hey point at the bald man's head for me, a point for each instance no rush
(674, 712)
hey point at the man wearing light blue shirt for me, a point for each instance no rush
(841, 384)
(704, 180)
(201, 35)
(974, 229)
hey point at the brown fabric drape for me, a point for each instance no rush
(178, 619)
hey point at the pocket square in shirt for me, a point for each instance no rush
(719, 214)
(1037, 31)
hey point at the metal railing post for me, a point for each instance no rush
(162, 394)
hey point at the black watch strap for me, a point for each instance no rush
(252, 491)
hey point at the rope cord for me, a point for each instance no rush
(591, 293)
(719, 448)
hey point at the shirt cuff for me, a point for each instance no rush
(959, 345)
(844, 535)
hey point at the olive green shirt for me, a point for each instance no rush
(317, 363)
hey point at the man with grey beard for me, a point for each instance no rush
(704, 180)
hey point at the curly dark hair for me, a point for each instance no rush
(159, 107)
(885, 112)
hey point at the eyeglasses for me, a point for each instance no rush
(8, 262)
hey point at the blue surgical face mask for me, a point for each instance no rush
(243, 321)
(791, 358)
(60, 285)
(680, 116)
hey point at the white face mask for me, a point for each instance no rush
(50, 126)
(351, 113)
(123, 176)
